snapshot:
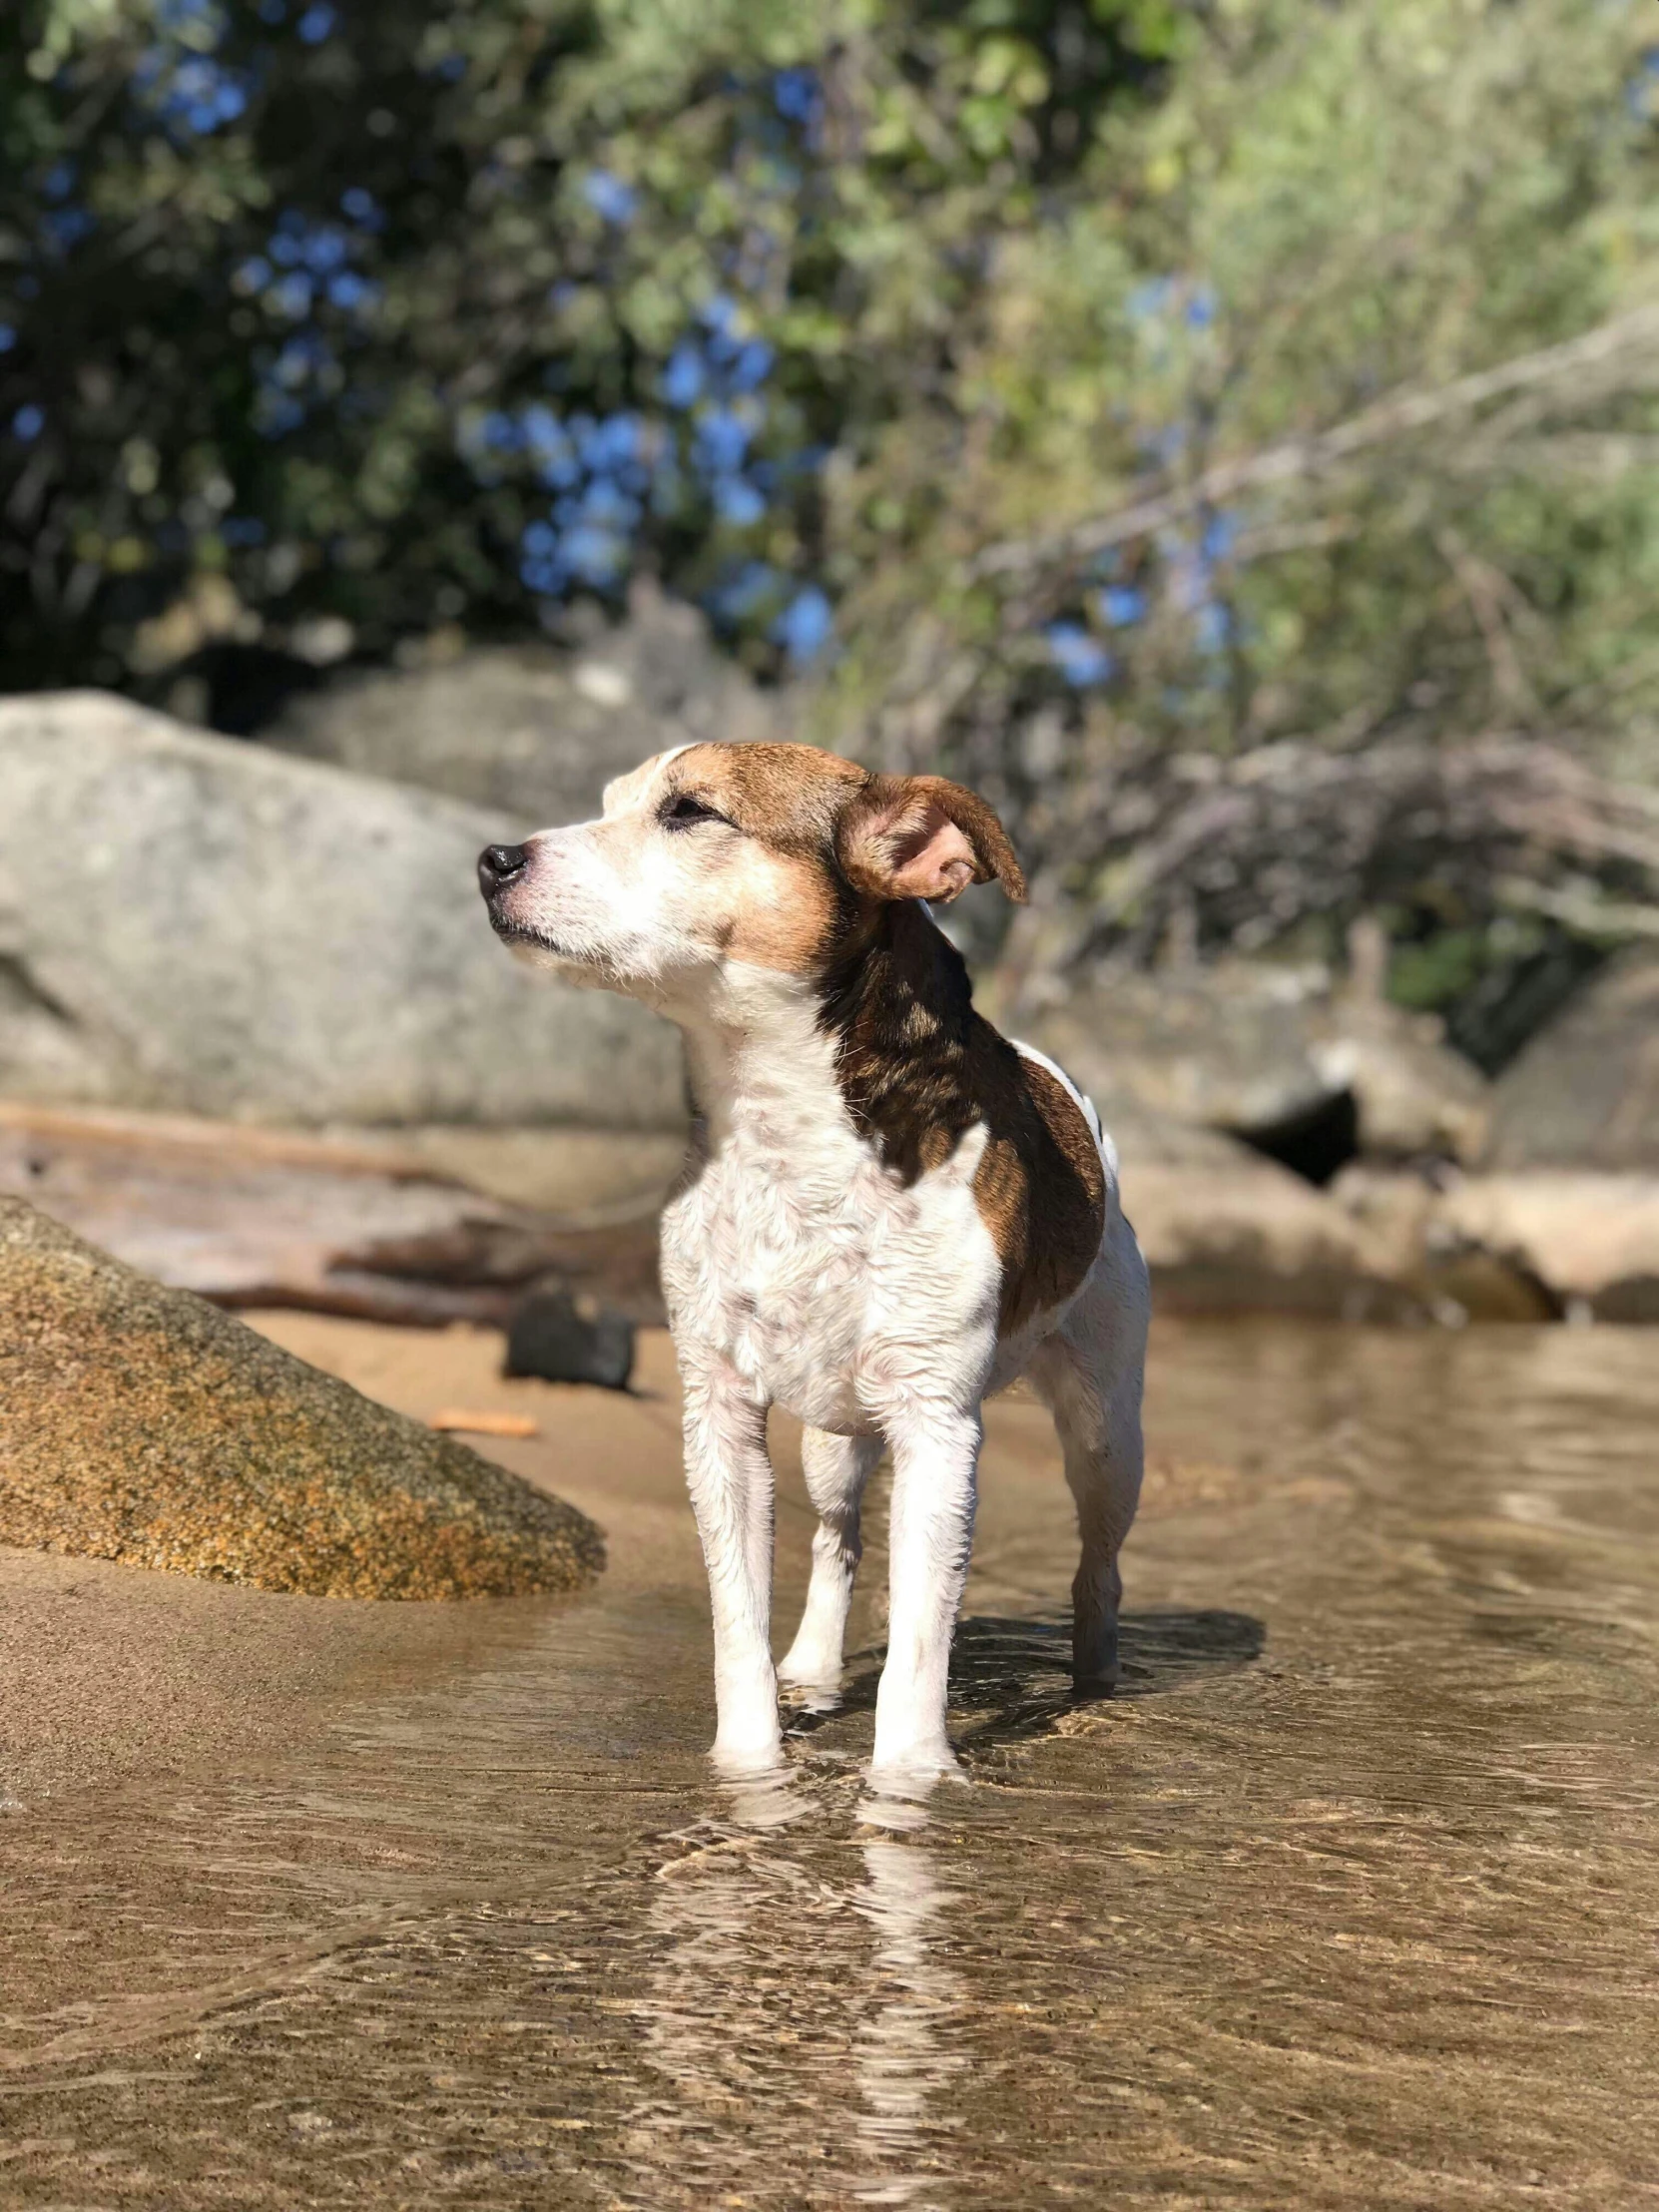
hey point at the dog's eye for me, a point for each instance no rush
(686, 809)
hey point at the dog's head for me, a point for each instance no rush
(766, 855)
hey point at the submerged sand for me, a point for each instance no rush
(1349, 1901)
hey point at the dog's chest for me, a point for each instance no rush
(820, 1276)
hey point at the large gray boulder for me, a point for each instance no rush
(531, 731)
(1277, 1055)
(1585, 1092)
(140, 1424)
(192, 923)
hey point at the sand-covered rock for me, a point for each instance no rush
(140, 1424)
(190, 924)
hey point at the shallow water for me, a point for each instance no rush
(1350, 1899)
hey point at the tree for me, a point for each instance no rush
(1106, 399)
(1320, 414)
(324, 323)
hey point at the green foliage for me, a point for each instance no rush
(550, 194)
(1333, 207)
(1318, 410)
(1149, 386)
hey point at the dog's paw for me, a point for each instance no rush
(740, 1757)
(809, 1684)
(913, 1766)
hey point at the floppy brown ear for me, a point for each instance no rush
(920, 836)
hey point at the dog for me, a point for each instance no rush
(889, 1210)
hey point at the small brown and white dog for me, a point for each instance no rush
(890, 1213)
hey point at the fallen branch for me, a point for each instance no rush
(1237, 852)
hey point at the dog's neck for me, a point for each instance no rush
(879, 1043)
(761, 1070)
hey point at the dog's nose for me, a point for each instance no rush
(498, 865)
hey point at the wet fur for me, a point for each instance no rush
(891, 1210)
(919, 1068)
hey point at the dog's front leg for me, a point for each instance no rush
(730, 1478)
(935, 1457)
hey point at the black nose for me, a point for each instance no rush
(498, 865)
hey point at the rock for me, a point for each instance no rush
(563, 1339)
(1225, 1230)
(1585, 1092)
(139, 1423)
(1409, 1228)
(532, 732)
(1591, 1240)
(1275, 1056)
(261, 1216)
(1414, 1098)
(1533, 1247)
(196, 924)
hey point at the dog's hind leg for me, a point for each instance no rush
(837, 1469)
(1089, 1374)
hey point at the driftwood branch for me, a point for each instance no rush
(250, 1217)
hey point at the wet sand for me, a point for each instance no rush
(1348, 1900)
(105, 1672)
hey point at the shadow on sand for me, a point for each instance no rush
(1011, 1679)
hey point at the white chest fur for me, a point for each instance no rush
(830, 1286)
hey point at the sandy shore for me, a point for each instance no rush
(109, 1671)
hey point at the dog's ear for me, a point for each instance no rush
(920, 836)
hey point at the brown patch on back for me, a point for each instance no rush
(919, 1068)
(1042, 1191)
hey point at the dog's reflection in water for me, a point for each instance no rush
(903, 2063)
(807, 1992)
(801, 2000)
